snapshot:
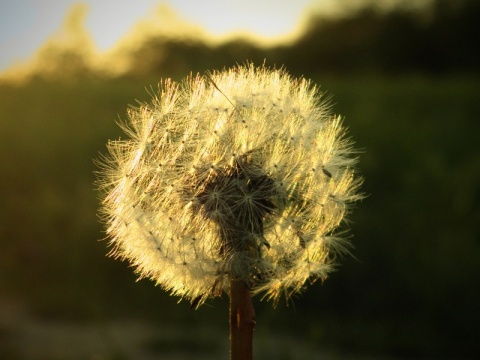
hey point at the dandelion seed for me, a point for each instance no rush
(218, 181)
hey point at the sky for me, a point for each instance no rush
(26, 24)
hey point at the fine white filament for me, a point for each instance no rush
(250, 143)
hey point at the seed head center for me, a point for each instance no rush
(242, 197)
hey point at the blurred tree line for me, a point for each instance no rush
(407, 82)
(436, 39)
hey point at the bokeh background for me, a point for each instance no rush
(406, 79)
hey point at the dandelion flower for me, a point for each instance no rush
(242, 174)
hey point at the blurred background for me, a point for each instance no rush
(404, 74)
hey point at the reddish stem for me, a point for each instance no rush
(242, 321)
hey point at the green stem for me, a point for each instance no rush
(242, 321)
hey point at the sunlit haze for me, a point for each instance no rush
(26, 24)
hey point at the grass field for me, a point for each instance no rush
(411, 292)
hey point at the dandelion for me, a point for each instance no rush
(238, 178)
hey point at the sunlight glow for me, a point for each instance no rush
(112, 27)
(26, 25)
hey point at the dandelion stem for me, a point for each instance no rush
(242, 321)
(250, 185)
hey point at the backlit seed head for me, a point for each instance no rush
(239, 174)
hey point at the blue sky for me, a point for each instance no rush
(26, 24)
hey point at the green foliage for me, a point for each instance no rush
(416, 235)
(413, 292)
(436, 40)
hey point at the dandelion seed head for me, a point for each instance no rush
(240, 174)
